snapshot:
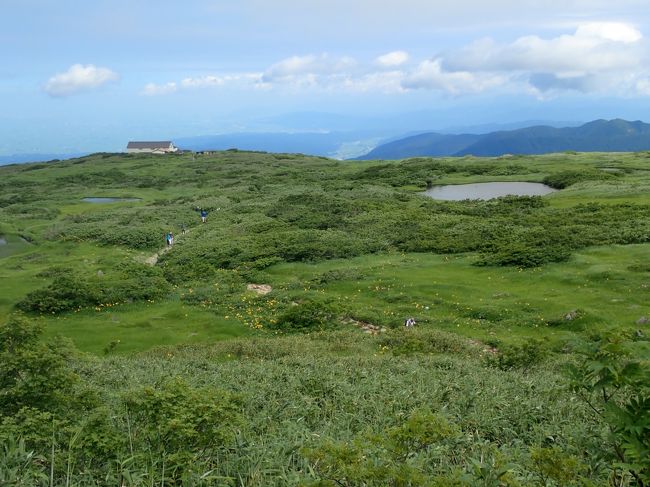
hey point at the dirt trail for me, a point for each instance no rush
(153, 259)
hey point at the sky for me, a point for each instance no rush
(89, 75)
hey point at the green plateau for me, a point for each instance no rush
(267, 345)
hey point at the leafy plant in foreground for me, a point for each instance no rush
(181, 424)
(19, 466)
(32, 373)
(613, 379)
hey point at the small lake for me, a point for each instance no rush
(97, 199)
(11, 244)
(487, 191)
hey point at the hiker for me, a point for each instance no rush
(183, 229)
(204, 215)
(409, 322)
(171, 238)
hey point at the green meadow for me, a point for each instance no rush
(267, 347)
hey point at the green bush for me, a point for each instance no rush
(66, 292)
(33, 374)
(182, 424)
(385, 458)
(20, 466)
(522, 356)
(71, 291)
(307, 315)
(567, 178)
(554, 464)
(613, 378)
(519, 254)
(404, 341)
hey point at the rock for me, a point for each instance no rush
(571, 315)
(259, 288)
(643, 320)
(501, 295)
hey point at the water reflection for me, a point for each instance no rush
(486, 191)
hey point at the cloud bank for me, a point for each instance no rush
(596, 57)
(78, 79)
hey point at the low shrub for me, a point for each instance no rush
(411, 341)
(182, 424)
(66, 292)
(338, 275)
(519, 254)
(567, 178)
(307, 315)
(522, 356)
(70, 291)
(33, 374)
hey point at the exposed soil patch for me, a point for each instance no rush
(260, 289)
(366, 327)
(485, 348)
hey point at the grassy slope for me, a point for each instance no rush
(330, 391)
(490, 303)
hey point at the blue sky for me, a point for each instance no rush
(81, 75)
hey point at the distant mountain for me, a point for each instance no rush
(600, 135)
(430, 144)
(497, 127)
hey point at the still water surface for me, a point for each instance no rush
(486, 191)
(94, 199)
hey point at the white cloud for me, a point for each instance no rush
(612, 31)
(596, 57)
(209, 81)
(392, 59)
(152, 89)
(592, 48)
(202, 82)
(77, 79)
(430, 75)
(301, 68)
(643, 87)
(373, 82)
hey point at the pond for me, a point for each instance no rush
(486, 191)
(11, 244)
(102, 199)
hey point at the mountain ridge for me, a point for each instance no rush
(600, 135)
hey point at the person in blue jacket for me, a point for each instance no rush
(204, 215)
